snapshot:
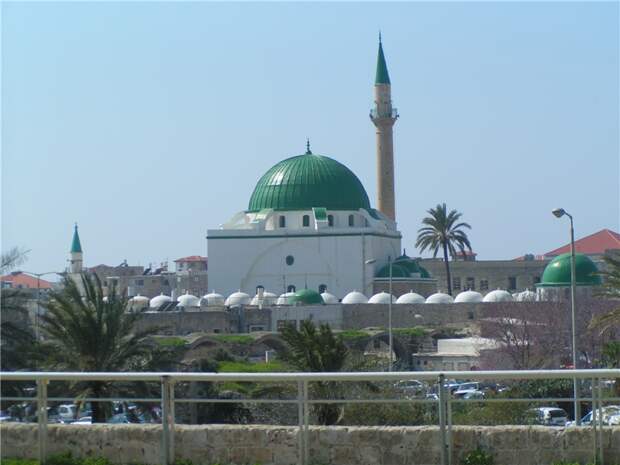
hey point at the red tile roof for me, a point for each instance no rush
(191, 258)
(25, 281)
(594, 244)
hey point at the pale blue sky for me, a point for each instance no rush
(149, 123)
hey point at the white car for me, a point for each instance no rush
(67, 412)
(611, 416)
(549, 416)
(84, 421)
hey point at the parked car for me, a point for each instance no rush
(611, 416)
(67, 412)
(122, 418)
(83, 421)
(411, 387)
(548, 416)
(469, 394)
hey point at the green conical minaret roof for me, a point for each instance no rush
(76, 247)
(382, 73)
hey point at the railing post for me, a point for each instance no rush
(42, 418)
(301, 419)
(167, 422)
(449, 418)
(600, 413)
(595, 418)
(442, 419)
(306, 424)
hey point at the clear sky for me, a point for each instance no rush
(149, 123)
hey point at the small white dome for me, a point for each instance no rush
(468, 297)
(283, 299)
(329, 298)
(269, 298)
(138, 299)
(526, 296)
(212, 299)
(355, 298)
(439, 298)
(159, 300)
(237, 298)
(188, 300)
(498, 296)
(382, 298)
(410, 298)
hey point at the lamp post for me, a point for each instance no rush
(558, 213)
(390, 336)
(38, 313)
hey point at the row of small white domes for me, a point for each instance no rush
(355, 297)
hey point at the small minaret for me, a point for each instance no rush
(76, 252)
(384, 116)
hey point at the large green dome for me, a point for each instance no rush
(307, 181)
(557, 272)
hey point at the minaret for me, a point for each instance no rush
(384, 116)
(76, 252)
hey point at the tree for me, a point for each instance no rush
(309, 349)
(609, 290)
(443, 232)
(86, 332)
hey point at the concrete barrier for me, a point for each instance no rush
(274, 445)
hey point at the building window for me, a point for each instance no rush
(512, 282)
(484, 284)
(166, 282)
(471, 283)
(330, 220)
(291, 288)
(351, 220)
(282, 221)
(139, 282)
(322, 288)
(456, 284)
(536, 279)
(289, 260)
(283, 323)
(306, 221)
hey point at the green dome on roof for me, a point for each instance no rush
(409, 263)
(306, 297)
(398, 271)
(307, 181)
(557, 273)
(424, 273)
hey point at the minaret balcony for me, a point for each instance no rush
(377, 114)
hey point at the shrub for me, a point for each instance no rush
(477, 456)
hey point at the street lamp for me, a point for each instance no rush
(559, 213)
(390, 337)
(38, 314)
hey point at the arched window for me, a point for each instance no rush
(259, 287)
(330, 220)
(306, 221)
(322, 288)
(290, 288)
(351, 220)
(282, 221)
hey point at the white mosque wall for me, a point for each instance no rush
(243, 259)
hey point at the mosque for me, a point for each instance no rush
(309, 223)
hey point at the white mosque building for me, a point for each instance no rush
(309, 222)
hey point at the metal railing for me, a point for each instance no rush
(444, 401)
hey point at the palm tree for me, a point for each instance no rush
(318, 351)
(610, 290)
(86, 332)
(443, 231)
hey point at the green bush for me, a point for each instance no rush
(172, 341)
(234, 338)
(477, 456)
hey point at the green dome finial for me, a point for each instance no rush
(382, 76)
(308, 151)
(76, 246)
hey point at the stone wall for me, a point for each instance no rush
(273, 445)
(181, 323)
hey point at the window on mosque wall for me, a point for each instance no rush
(456, 284)
(351, 220)
(139, 282)
(484, 284)
(471, 283)
(306, 221)
(512, 282)
(289, 260)
(330, 220)
(282, 221)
